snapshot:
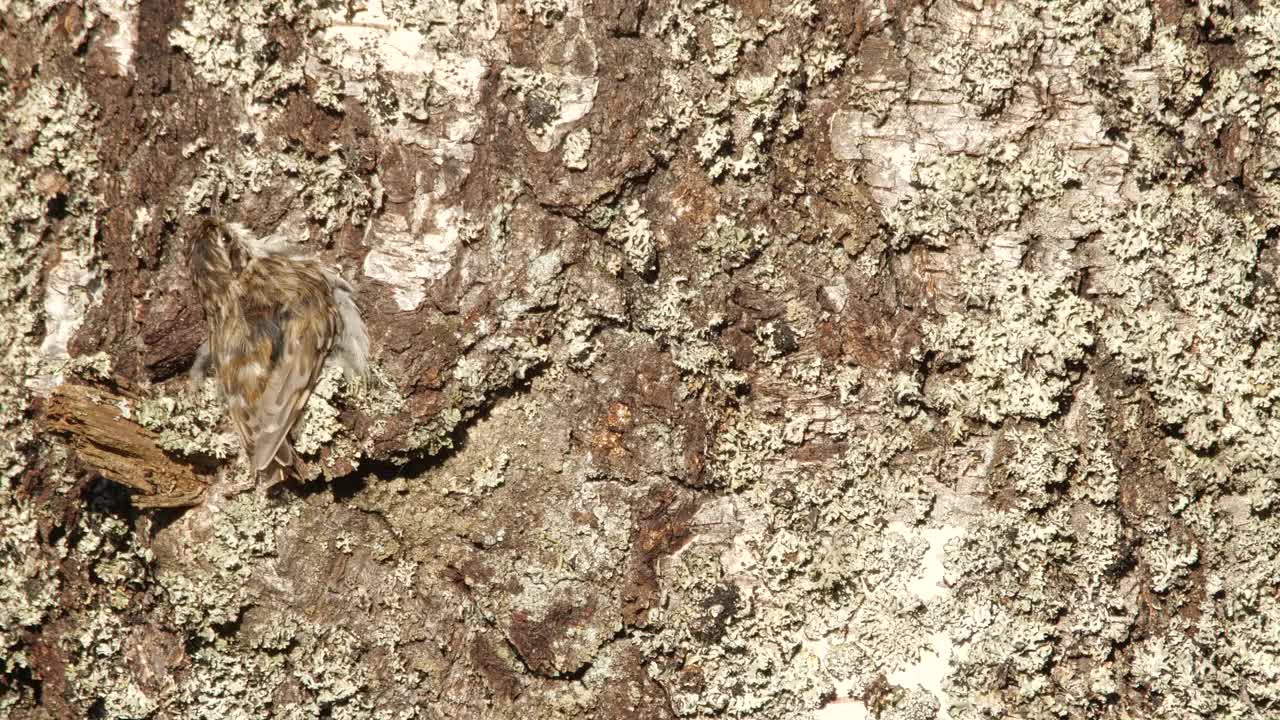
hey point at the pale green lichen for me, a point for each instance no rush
(416, 73)
(435, 435)
(766, 108)
(639, 243)
(969, 200)
(714, 138)
(45, 129)
(568, 567)
(1037, 467)
(333, 194)
(375, 395)
(1213, 382)
(547, 12)
(742, 118)
(825, 58)
(991, 70)
(1230, 100)
(320, 427)
(742, 450)
(794, 587)
(762, 609)
(731, 244)
(1006, 555)
(580, 348)
(28, 581)
(1016, 344)
(188, 423)
(352, 67)
(95, 366)
(110, 566)
(215, 584)
(758, 642)
(678, 114)
(1099, 473)
(847, 381)
(232, 45)
(330, 669)
(324, 189)
(496, 361)
(554, 96)
(319, 423)
(224, 681)
(703, 361)
(99, 675)
(577, 145)
(490, 475)
(768, 342)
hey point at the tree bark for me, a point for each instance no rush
(729, 359)
(97, 423)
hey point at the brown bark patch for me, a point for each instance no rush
(120, 449)
(662, 524)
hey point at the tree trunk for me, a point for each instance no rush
(729, 359)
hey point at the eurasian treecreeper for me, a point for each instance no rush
(275, 317)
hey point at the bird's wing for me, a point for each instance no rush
(285, 336)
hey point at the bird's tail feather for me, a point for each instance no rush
(283, 466)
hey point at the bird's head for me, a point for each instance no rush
(215, 258)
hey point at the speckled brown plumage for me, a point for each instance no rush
(273, 318)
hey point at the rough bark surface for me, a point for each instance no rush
(97, 424)
(730, 359)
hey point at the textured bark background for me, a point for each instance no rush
(732, 359)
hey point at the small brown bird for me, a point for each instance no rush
(274, 317)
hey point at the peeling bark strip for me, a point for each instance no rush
(95, 421)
